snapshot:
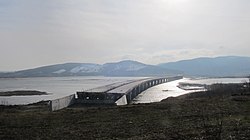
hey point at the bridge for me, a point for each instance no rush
(120, 93)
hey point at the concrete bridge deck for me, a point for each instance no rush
(120, 93)
(112, 86)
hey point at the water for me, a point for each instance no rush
(163, 91)
(170, 89)
(160, 92)
(63, 86)
(57, 86)
(209, 81)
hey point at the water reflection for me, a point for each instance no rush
(160, 92)
(64, 86)
(58, 86)
(163, 91)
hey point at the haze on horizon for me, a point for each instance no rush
(42, 32)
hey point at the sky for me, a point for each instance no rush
(43, 32)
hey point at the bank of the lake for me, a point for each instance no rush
(22, 93)
(64, 86)
(217, 115)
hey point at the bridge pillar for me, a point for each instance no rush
(140, 88)
(137, 90)
(134, 93)
(131, 95)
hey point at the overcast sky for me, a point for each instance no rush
(41, 32)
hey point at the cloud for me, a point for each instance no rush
(100, 31)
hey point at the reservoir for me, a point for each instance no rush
(58, 87)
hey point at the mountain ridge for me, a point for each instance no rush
(217, 67)
(203, 66)
(121, 68)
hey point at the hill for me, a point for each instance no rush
(225, 66)
(123, 68)
(212, 67)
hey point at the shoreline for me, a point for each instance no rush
(217, 114)
(22, 93)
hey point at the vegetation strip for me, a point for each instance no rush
(219, 113)
(22, 93)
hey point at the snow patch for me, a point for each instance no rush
(135, 67)
(60, 71)
(131, 67)
(76, 69)
(86, 69)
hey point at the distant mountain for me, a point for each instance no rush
(123, 68)
(68, 69)
(134, 68)
(215, 67)
(210, 67)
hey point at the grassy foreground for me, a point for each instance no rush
(221, 114)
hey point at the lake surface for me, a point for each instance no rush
(170, 89)
(57, 86)
(63, 86)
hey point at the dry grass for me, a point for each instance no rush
(199, 117)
